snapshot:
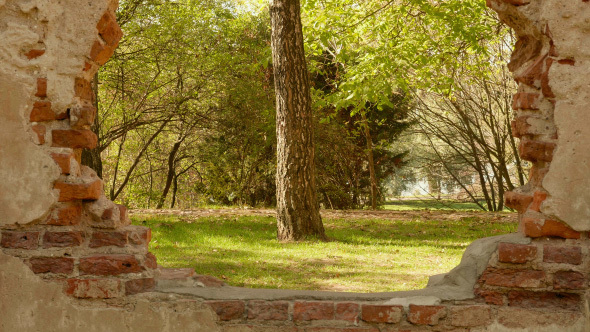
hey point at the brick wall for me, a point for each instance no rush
(85, 241)
(86, 244)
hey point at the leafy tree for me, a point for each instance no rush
(468, 132)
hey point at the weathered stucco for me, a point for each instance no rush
(28, 304)
(568, 179)
(22, 163)
(58, 31)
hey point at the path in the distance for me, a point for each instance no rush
(343, 214)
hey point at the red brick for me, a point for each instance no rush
(545, 88)
(61, 265)
(109, 265)
(517, 201)
(228, 310)
(94, 288)
(491, 297)
(524, 100)
(569, 62)
(556, 228)
(105, 239)
(83, 89)
(151, 261)
(347, 311)
(549, 300)
(532, 75)
(75, 139)
(42, 112)
(40, 130)
(268, 310)
(516, 253)
(470, 316)
(565, 255)
(136, 286)
(20, 240)
(79, 191)
(67, 214)
(41, 88)
(82, 117)
(33, 54)
(303, 311)
(569, 280)
(140, 235)
(536, 175)
(513, 278)
(426, 314)
(525, 49)
(534, 151)
(62, 239)
(534, 228)
(109, 30)
(63, 161)
(520, 126)
(381, 313)
(538, 198)
(101, 53)
(124, 215)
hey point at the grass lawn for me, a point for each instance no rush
(362, 256)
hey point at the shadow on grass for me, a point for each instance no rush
(363, 255)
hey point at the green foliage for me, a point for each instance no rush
(185, 104)
(404, 44)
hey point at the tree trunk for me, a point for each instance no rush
(371, 163)
(298, 214)
(91, 157)
(171, 172)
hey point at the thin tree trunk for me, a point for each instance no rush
(91, 157)
(298, 214)
(174, 190)
(171, 172)
(114, 194)
(373, 179)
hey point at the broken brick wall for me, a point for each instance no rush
(71, 260)
(54, 214)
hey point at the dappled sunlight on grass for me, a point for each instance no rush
(364, 255)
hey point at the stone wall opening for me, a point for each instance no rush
(71, 260)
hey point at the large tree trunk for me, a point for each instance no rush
(298, 214)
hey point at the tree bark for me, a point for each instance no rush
(371, 161)
(91, 158)
(298, 213)
(171, 172)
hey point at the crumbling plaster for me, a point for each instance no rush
(29, 304)
(61, 30)
(568, 180)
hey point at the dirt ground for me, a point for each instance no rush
(342, 214)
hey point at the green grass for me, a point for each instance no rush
(362, 256)
(431, 204)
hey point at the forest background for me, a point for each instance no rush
(405, 92)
